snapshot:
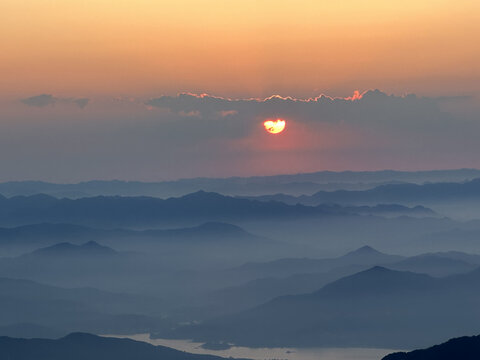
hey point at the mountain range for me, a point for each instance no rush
(305, 183)
(377, 307)
(435, 264)
(142, 211)
(366, 255)
(24, 238)
(296, 276)
(37, 309)
(407, 193)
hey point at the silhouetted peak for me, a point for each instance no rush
(65, 248)
(365, 250)
(380, 270)
(377, 280)
(381, 273)
(92, 245)
(367, 253)
(96, 247)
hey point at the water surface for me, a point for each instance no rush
(268, 353)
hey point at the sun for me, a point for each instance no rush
(274, 126)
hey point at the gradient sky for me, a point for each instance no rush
(105, 68)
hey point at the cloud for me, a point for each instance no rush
(39, 100)
(225, 113)
(202, 135)
(189, 113)
(45, 100)
(82, 102)
(370, 107)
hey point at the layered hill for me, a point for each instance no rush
(377, 307)
(41, 310)
(145, 211)
(407, 193)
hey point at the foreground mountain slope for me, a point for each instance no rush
(462, 348)
(82, 346)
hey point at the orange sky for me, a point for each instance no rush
(238, 48)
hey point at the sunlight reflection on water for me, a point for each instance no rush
(268, 353)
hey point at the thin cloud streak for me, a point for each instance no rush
(44, 100)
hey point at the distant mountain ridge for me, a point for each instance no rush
(210, 228)
(287, 266)
(196, 207)
(27, 238)
(305, 183)
(58, 231)
(390, 193)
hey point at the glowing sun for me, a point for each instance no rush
(274, 126)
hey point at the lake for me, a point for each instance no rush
(268, 353)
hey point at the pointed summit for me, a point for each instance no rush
(365, 250)
(377, 280)
(368, 255)
(67, 249)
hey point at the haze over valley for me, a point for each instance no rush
(255, 272)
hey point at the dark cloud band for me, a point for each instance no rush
(372, 106)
